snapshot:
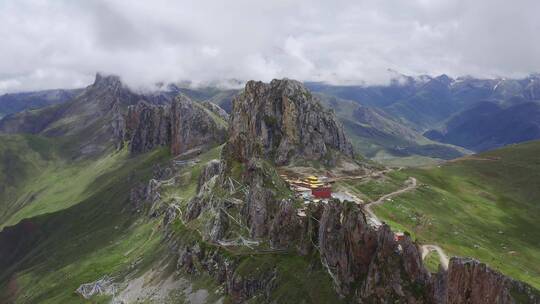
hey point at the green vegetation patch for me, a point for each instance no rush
(485, 206)
(432, 261)
(371, 189)
(101, 235)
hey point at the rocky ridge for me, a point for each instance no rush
(242, 189)
(364, 262)
(116, 114)
(183, 125)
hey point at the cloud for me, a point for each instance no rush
(61, 43)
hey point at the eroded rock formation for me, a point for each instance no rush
(183, 125)
(281, 121)
(192, 126)
(470, 281)
(369, 262)
(148, 126)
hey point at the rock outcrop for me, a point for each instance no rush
(271, 124)
(470, 281)
(114, 114)
(212, 168)
(238, 285)
(147, 126)
(281, 121)
(192, 126)
(183, 125)
(369, 262)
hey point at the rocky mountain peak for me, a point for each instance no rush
(282, 121)
(107, 81)
(444, 79)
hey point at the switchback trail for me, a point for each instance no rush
(411, 184)
(426, 249)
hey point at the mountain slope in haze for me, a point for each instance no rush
(375, 133)
(218, 95)
(489, 125)
(88, 119)
(427, 103)
(92, 121)
(378, 136)
(484, 205)
(17, 102)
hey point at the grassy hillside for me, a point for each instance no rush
(37, 176)
(486, 206)
(378, 136)
(85, 234)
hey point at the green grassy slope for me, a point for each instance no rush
(486, 206)
(18, 162)
(38, 178)
(98, 234)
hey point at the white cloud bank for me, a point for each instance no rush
(62, 43)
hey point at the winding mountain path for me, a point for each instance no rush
(426, 249)
(374, 220)
(411, 184)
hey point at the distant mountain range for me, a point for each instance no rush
(417, 119)
(379, 136)
(16, 102)
(462, 111)
(488, 125)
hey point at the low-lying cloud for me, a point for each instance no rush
(62, 43)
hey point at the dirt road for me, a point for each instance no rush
(426, 249)
(411, 184)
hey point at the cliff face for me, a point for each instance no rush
(113, 114)
(281, 121)
(469, 281)
(148, 126)
(368, 262)
(183, 125)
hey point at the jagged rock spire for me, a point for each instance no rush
(282, 121)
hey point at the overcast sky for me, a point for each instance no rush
(62, 43)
